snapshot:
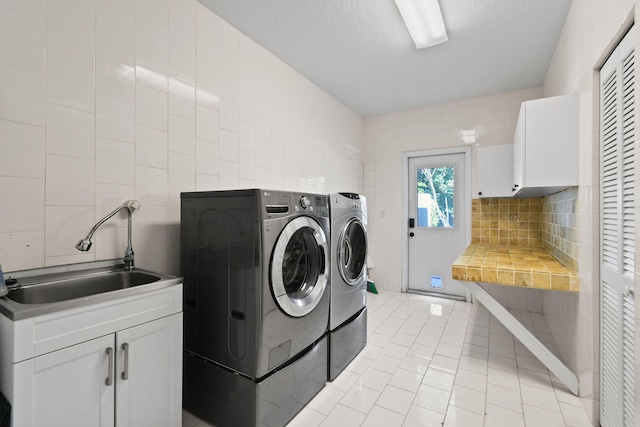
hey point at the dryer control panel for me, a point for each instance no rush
(305, 202)
(284, 202)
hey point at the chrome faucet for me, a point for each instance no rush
(131, 206)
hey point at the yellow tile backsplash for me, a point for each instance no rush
(529, 243)
(501, 221)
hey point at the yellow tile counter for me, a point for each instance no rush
(522, 266)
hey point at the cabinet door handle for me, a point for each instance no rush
(109, 380)
(125, 372)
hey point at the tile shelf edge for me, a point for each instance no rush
(528, 267)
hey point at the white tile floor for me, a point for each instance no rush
(434, 362)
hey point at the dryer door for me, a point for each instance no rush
(299, 266)
(352, 252)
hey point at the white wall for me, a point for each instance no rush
(590, 28)
(492, 118)
(104, 101)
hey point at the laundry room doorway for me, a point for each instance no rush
(437, 212)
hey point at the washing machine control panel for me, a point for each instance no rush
(305, 202)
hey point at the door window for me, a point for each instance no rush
(435, 197)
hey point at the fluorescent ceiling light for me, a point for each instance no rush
(423, 19)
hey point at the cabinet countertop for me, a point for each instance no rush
(521, 266)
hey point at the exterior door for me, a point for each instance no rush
(437, 222)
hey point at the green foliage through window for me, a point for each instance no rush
(435, 197)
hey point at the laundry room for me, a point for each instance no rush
(114, 114)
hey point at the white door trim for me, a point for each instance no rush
(466, 202)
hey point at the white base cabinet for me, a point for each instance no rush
(65, 388)
(82, 368)
(149, 374)
(130, 378)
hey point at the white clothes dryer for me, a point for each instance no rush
(347, 311)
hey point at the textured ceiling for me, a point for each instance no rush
(360, 52)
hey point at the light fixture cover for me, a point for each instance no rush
(423, 19)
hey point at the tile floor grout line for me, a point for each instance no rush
(437, 324)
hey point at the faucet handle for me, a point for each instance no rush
(132, 205)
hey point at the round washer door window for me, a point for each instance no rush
(299, 267)
(352, 251)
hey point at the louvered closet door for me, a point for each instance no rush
(617, 123)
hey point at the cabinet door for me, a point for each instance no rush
(519, 150)
(149, 374)
(545, 152)
(495, 171)
(67, 387)
(551, 156)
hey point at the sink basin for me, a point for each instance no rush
(79, 287)
(53, 289)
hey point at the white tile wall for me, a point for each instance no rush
(104, 101)
(574, 320)
(23, 150)
(70, 132)
(492, 118)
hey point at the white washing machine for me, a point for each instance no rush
(256, 304)
(348, 311)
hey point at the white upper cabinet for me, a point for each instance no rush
(545, 150)
(495, 171)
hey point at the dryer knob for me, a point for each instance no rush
(305, 202)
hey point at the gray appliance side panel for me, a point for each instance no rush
(345, 343)
(216, 395)
(223, 398)
(219, 254)
(282, 395)
(346, 300)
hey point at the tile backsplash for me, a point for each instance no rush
(559, 226)
(503, 221)
(550, 222)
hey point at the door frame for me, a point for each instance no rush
(466, 201)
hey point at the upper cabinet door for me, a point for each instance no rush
(546, 146)
(495, 171)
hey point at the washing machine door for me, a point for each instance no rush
(352, 252)
(299, 267)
